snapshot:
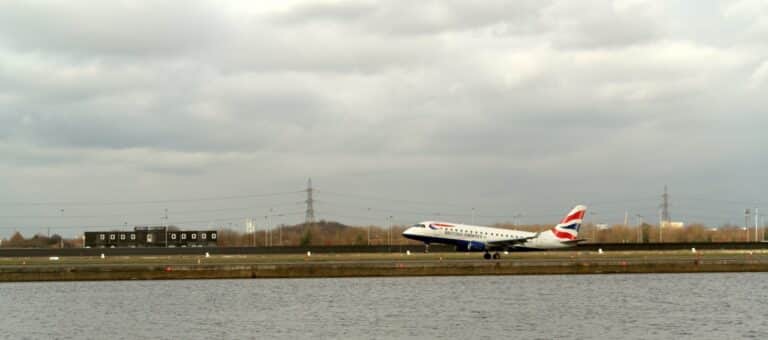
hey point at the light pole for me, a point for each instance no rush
(280, 230)
(757, 221)
(61, 242)
(746, 222)
(515, 219)
(385, 226)
(253, 232)
(661, 225)
(390, 233)
(369, 228)
(266, 230)
(165, 226)
(249, 229)
(639, 227)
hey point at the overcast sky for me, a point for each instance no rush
(113, 111)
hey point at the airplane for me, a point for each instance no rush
(481, 238)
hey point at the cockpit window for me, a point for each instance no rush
(419, 225)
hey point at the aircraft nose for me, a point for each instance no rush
(410, 232)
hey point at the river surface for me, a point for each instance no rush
(640, 306)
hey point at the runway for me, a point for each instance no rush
(378, 249)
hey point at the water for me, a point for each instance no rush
(681, 306)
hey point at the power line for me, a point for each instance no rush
(176, 223)
(179, 200)
(406, 212)
(384, 199)
(125, 214)
(707, 199)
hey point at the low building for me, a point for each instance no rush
(671, 224)
(148, 236)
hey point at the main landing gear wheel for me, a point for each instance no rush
(487, 256)
(496, 256)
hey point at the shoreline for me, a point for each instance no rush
(367, 265)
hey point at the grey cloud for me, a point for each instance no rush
(180, 170)
(586, 24)
(423, 17)
(159, 131)
(246, 113)
(514, 105)
(32, 81)
(20, 155)
(308, 49)
(596, 24)
(94, 28)
(750, 16)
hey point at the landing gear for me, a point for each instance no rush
(426, 247)
(487, 256)
(496, 256)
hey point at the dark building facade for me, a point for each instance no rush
(145, 237)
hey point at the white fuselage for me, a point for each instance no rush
(471, 237)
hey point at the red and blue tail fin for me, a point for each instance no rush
(568, 228)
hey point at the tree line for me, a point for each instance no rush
(327, 233)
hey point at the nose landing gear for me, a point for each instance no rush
(496, 256)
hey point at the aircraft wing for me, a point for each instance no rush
(511, 242)
(574, 241)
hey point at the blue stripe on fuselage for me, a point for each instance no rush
(462, 245)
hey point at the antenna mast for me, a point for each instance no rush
(665, 218)
(310, 214)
